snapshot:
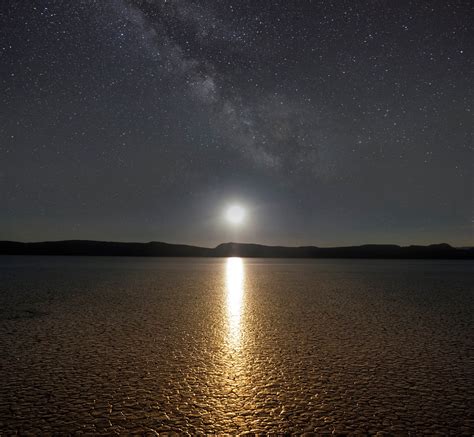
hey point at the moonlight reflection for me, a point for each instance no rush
(235, 295)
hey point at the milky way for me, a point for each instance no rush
(332, 122)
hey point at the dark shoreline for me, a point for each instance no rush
(159, 249)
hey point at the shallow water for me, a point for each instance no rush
(122, 345)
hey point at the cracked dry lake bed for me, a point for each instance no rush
(151, 345)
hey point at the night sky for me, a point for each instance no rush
(330, 122)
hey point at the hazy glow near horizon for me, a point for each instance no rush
(235, 214)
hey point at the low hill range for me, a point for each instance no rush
(159, 249)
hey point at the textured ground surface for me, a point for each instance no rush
(103, 346)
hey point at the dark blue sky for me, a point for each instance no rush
(331, 122)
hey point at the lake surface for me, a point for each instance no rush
(150, 345)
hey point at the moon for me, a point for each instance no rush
(235, 214)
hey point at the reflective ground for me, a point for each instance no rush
(120, 345)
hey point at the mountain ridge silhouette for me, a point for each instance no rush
(247, 250)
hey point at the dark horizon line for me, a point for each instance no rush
(87, 240)
(250, 250)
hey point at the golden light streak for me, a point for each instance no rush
(235, 296)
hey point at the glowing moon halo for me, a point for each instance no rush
(235, 214)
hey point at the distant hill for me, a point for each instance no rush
(158, 249)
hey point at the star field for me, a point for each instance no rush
(332, 122)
